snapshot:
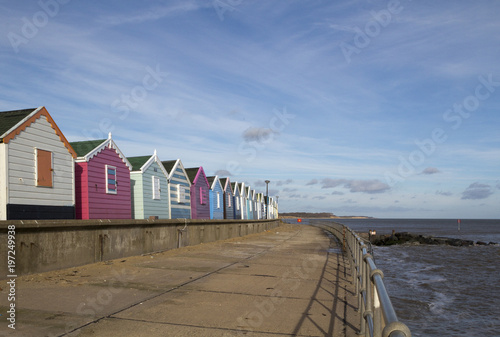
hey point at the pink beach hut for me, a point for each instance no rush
(200, 203)
(102, 180)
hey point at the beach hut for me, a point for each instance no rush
(236, 200)
(228, 198)
(216, 196)
(254, 204)
(243, 200)
(102, 180)
(178, 190)
(200, 202)
(271, 208)
(265, 207)
(258, 205)
(249, 203)
(149, 185)
(37, 167)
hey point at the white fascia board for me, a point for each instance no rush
(21, 122)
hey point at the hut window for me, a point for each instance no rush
(238, 203)
(111, 181)
(179, 193)
(201, 195)
(250, 203)
(218, 200)
(43, 168)
(229, 200)
(156, 188)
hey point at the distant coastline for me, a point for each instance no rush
(324, 215)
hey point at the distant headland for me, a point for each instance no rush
(324, 215)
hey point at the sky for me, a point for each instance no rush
(387, 109)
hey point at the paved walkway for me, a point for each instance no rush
(290, 281)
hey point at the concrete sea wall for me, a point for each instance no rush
(44, 245)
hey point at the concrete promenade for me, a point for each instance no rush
(290, 281)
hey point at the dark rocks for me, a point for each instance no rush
(408, 238)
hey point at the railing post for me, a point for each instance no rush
(374, 305)
(361, 302)
(377, 314)
(368, 286)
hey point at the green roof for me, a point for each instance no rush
(192, 172)
(137, 162)
(211, 180)
(223, 181)
(86, 146)
(169, 165)
(8, 119)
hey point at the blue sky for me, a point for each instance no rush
(378, 108)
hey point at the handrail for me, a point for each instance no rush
(374, 303)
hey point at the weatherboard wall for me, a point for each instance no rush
(200, 202)
(180, 203)
(243, 201)
(3, 181)
(100, 204)
(228, 199)
(236, 200)
(23, 198)
(144, 203)
(216, 200)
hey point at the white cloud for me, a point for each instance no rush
(357, 185)
(477, 191)
(430, 170)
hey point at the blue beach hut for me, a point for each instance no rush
(228, 198)
(236, 200)
(149, 185)
(216, 196)
(178, 190)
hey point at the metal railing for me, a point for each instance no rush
(377, 315)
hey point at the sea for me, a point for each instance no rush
(440, 290)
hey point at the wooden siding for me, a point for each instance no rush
(236, 201)
(249, 203)
(254, 204)
(243, 201)
(3, 181)
(21, 181)
(228, 205)
(200, 203)
(179, 210)
(137, 199)
(104, 205)
(228, 201)
(81, 191)
(143, 203)
(39, 212)
(216, 209)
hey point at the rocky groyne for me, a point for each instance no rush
(409, 238)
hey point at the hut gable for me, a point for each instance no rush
(228, 198)
(236, 200)
(200, 202)
(102, 178)
(36, 167)
(216, 198)
(149, 185)
(178, 189)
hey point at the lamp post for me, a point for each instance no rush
(277, 204)
(267, 198)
